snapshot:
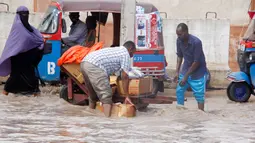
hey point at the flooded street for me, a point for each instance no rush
(50, 119)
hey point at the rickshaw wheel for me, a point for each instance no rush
(239, 92)
(64, 95)
(140, 106)
(228, 91)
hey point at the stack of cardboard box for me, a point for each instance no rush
(139, 86)
(119, 109)
(75, 71)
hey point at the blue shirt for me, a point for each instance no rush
(77, 34)
(193, 52)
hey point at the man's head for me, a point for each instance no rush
(130, 47)
(182, 31)
(74, 16)
(91, 22)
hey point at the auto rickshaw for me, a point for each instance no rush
(243, 82)
(151, 62)
(53, 26)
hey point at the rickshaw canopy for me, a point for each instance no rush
(113, 6)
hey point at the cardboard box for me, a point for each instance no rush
(119, 110)
(113, 80)
(75, 71)
(136, 87)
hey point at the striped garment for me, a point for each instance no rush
(111, 60)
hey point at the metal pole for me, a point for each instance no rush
(98, 39)
(128, 11)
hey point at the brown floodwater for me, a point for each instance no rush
(50, 119)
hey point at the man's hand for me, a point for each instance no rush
(128, 101)
(176, 77)
(193, 67)
(183, 82)
(125, 82)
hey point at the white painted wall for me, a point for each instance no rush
(214, 35)
(14, 4)
(235, 10)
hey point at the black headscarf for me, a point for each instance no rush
(24, 16)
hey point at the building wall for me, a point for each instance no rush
(214, 35)
(41, 5)
(14, 4)
(233, 10)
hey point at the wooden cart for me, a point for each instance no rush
(75, 92)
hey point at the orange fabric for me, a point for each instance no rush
(76, 53)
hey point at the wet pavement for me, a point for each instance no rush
(50, 119)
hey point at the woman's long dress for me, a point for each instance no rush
(23, 78)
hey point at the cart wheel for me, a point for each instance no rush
(140, 106)
(63, 78)
(64, 93)
(239, 92)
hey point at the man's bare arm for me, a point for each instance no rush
(193, 68)
(178, 65)
(125, 81)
